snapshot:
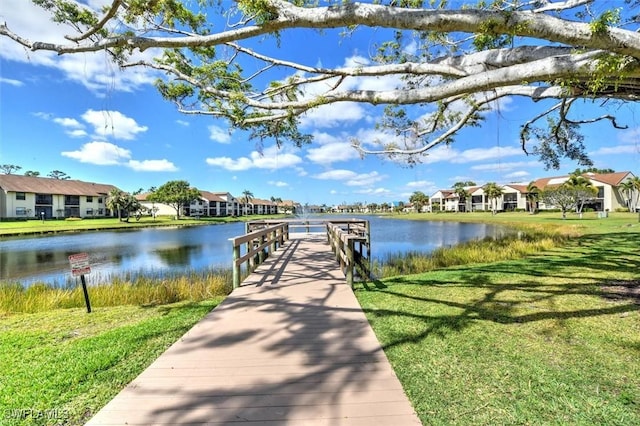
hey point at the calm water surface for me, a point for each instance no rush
(176, 250)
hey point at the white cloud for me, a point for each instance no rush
(96, 71)
(73, 127)
(332, 152)
(100, 153)
(78, 133)
(218, 134)
(152, 166)
(68, 122)
(108, 154)
(113, 123)
(481, 154)
(351, 178)
(16, 83)
(631, 136)
(43, 115)
(619, 149)
(278, 183)
(504, 167)
(336, 114)
(376, 191)
(333, 115)
(420, 184)
(411, 48)
(365, 179)
(517, 175)
(440, 154)
(242, 163)
(272, 158)
(452, 155)
(336, 175)
(460, 178)
(383, 82)
(183, 123)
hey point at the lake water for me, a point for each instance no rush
(176, 250)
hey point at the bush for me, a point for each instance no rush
(622, 209)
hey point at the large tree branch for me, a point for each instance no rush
(111, 13)
(287, 15)
(450, 131)
(579, 67)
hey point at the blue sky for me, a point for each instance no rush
(81, 115)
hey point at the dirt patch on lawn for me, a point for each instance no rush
(617, 290)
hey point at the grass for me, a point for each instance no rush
(141, 290)
(26, 227)
(485, 250)
(543, 221)
(66, 364)
(551, 338)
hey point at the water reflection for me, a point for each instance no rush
(178, 256)
(176, 250)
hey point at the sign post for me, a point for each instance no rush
(79, 267)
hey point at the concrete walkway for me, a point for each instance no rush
(289, 347)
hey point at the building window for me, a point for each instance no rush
(44, 199)
(89, 199)
(89, 212)
(99, 200)
(101, 212)
(71, 200)
(21, 196)
(21, 211)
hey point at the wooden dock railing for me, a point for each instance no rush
(350, 241)
(259, 244)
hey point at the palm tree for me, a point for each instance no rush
(630, 189)
(247, 196)
(419, 199)
(636, 185)
(627, 188)
(462, 194)
(493, 191)
(115, 201)
(532, 196)
(583, 190)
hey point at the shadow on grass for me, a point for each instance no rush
(537, 292)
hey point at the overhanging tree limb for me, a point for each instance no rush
(515, 48)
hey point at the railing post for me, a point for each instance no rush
(350, 261)
(262, 255)
(236, 266)
(273, 237)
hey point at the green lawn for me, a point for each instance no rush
(66, 364)
(71, 225)
(550, 339)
